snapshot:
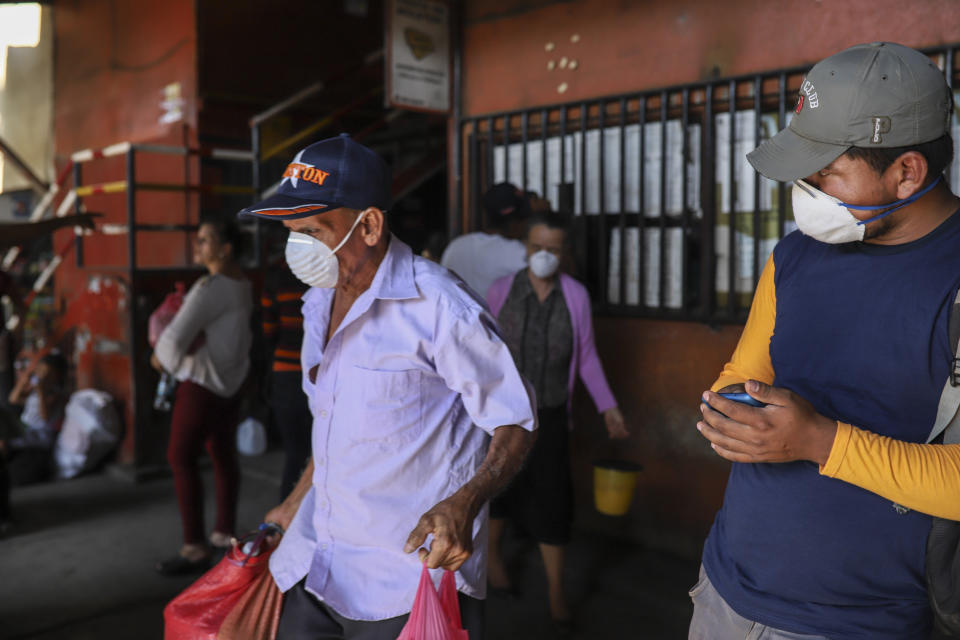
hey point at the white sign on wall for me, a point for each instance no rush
(418, 55)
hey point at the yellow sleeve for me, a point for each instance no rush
(922, 477)
(751, 358)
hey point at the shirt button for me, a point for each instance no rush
(323, 413)
(324, 546)
(319, 462)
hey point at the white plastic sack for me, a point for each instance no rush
(251, 437)
(91, 429)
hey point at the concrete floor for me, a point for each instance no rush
(78, 566)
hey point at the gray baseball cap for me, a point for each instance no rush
(881, 94)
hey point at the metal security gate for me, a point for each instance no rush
(669, 219)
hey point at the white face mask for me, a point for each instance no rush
(823, 217)
(543, 264)
(827, 219)
(314, 263)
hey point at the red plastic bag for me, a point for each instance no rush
(256, 616)
(164, 314)
(435, 616)
(200, 610)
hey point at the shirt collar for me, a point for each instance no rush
(394, 279)
(395, 275)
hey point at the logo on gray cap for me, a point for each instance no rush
(843, 93)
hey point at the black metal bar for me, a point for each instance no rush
(642, 194)
(506, 148)
(473, 189)
(77, 208)
(583, 158)
(623, 204)
(664, 100)
(524, 124)
(708, 198)
(684, 205)
(137, 358)
(478, 221)
(544, 122)
(732, 217)
(131, 213)
(757, 179)
(602, 239)
(563, 153)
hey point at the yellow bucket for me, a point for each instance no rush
(613, 485)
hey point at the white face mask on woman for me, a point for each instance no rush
(543, 263)
(313, 262)
(827, 219)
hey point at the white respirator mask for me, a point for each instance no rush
(313, 262)
(828, 219)
(544, 264)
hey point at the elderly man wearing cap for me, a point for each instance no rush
(419, 414)
(827, 510)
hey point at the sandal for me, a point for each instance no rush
(181, 566)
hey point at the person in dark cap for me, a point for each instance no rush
(828, 507)
(483, 257)
(419, 414)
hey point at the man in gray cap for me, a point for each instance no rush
(419, 413)
(827, 509)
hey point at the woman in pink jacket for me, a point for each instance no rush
(545, 317)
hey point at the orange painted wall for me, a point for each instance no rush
(625, 46)
(112, 61)
(658, 368)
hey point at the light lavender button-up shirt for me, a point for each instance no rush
(406, 394)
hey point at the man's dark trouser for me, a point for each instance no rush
(306, 618)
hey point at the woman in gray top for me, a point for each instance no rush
(210, 374)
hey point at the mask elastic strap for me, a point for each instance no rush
(349, 233)
(895, 205)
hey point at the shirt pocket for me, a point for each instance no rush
(390, 406)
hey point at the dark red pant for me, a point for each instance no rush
(201, 417)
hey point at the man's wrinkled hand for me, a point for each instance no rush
(787, 429)
(451, 523)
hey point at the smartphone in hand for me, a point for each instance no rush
(743, 398)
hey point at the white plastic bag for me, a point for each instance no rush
(91, 429)
(251, 437)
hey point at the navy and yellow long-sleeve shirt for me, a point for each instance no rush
(282, 321)
(860, 331)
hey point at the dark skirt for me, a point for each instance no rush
(540, 498)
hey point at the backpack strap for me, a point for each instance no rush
(948, 419)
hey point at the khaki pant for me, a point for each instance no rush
(713, 619)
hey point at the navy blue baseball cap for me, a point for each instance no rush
(333, 173)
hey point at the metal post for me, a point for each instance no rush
(133, 333)
(255, 179)
(622, 222)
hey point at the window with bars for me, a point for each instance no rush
(670, 220)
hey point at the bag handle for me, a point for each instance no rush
(264, 531)
(948, 418)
